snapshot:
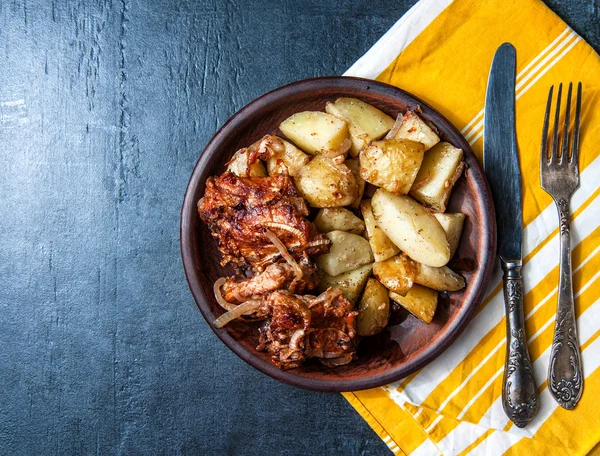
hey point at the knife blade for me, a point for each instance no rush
(501, 164)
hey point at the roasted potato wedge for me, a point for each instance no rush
(392, 164)
(291, 159)
(365, 122)
(242, 166)
(453, 226)
(400, 272)
(354, 165)
(352, 282)
(373, 309)
(441, 168)
(338, 218)
(440, 279)
(396, 274)
(381, 245)
(419, 301)
(408, 225)
(411, 126)
(317, 132)
(325, 182)
(347, 252)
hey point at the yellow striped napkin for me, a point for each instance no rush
(441, 51)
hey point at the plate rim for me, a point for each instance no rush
(267, 368)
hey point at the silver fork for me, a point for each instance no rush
(559, 174)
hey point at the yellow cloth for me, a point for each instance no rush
(452, 406)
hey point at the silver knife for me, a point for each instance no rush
(501, 164)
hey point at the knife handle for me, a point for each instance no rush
(519, 391)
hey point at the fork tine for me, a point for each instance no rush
(575, 147)
(544, 152)
(554, 155)
(564, 153)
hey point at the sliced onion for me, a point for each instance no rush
(339, 361)
(295, 338)
(246, 308)
(220, 299)
(238, 296)
(327, 296)
(314, 352)
(318, 243)
(284, 253)
(290, 229)
(394, 131)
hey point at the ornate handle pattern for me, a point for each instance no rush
(519, 391)
(565, 372)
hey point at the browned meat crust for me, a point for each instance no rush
(278, 276)
(239, 209)
(300, 327)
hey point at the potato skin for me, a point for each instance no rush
(324, 182)
(408, 225)
(392, 164)
(373, 309)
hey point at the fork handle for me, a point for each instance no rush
(519, 391)
(565, 373)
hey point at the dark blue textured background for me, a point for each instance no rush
(104, 109)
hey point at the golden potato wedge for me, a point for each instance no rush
(408, 225)
(381, 245)
(317, 132)
(392, 164)
(400, 272)
(440, 279)
(347, 252)
(365, 122)
(397, 273)
(452, 223)
(373, 309)
(354, 165)
(242, 166)
(291, 159)
(338, 218)
(324, 182)
(441, 168)
(411, 126)
(419, 301)
(352, 282)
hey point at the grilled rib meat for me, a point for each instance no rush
(239, 209)
(278, 276)
(300, 327)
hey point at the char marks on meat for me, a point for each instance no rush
(239, 209)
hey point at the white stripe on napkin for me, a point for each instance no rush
(397, 38)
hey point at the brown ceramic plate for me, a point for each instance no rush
(407, 344)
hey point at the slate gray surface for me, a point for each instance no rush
(104, 109)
